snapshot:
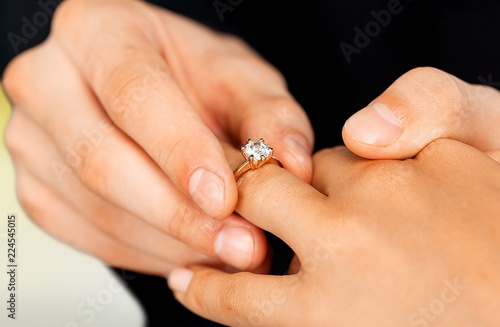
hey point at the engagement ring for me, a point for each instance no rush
(256, 154)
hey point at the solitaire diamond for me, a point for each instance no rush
(256, 151)
(256, 154)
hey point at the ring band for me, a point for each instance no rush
(256, 154)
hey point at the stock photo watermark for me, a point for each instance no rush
(11, 266)
(31, 25)
(364, 35)
(95, 304)
(425, 315)
(489, 87)
(223, 6)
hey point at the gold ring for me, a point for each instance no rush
(256, 154)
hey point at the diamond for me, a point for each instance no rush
(256, 151)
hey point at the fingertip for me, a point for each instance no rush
(236, 246)
(370, 151)
(178, 279)
(214, 191)
(241, 244)
(375, 125)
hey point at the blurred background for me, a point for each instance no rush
(56, 285)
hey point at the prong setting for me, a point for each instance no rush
(256, 152)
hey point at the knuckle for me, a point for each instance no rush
(68, 13)
(437, 79)
(323, 156)
(104, 216)
(436, 148)
(227, 298)
(198, 296)
(327, 152)
(29, 202)
(440, 96)
(93, 170)
(13, 141)
(16, 74)
(232, 59)
(238, 53)
(11, 78)
(278, 113)
(73, 16)
(234, 42)
(124, 93)
(283, 107)
(171, 155)
(445, 90)
(180, 224)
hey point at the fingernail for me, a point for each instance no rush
(207, 190)
(374, 125)
(178, 279)
(299, 146)
(235, 246)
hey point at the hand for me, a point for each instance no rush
(424, 105)
(380, 243)
(117, 126)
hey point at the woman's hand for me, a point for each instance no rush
(423, 105)
(117, 126)
(379, 243)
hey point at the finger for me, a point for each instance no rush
(277, 201)
(242, 93)
(336, 167)
(67, 226)
(445, 153)
(104, 159)
(125, 68)
(333, 168)
(241, 299)
(120, 225)
(423, 105)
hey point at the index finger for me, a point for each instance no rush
(126, 70)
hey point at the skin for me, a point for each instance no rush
(112, 122)
(425, 104)
(387, 243)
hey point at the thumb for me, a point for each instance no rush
(421, 106)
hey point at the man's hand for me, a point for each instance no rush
(116, 135)
(379, 243)
(424, 105)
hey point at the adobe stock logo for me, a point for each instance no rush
(30, 28)
(221, 6)
(363, 37)
(437, 306)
